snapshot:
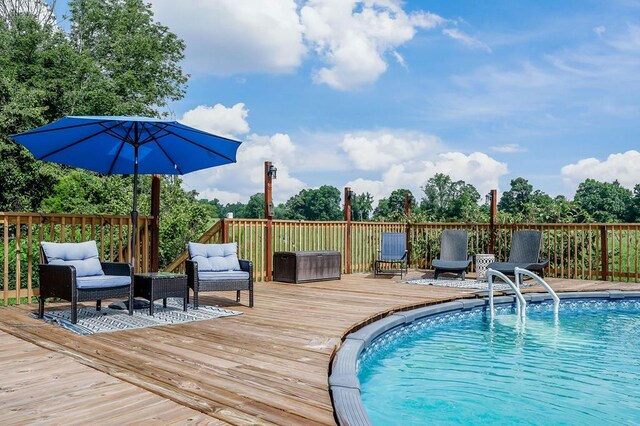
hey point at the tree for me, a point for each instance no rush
(255, 207)
(315, 204)
(362, 206)
(447, 200)
(392, 208)
(515, 199)
(115, 61)
(139, 57)
(605, 201)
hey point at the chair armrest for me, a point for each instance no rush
(117, 268)
(191, 267)
(246, 265)
(56, 280)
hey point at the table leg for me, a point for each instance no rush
(164, 302)
(151, 307)
(184, 300)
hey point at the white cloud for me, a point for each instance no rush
(218, 119)
(465, 39)
(600, 29)
(225, 37)
(623, 167)
(509, 148)
(379, 150)
(476, 168)
(354, 37)
(237, 182)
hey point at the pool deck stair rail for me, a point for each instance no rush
(521, 304)
(521, 272)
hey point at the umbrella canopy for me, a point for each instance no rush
(128, 145)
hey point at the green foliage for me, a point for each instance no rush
(255, 206)
(605, 201)
(315, 204)
(362, 207)
(446, 200)
(392, 208)
(514, 200)
(139, 58)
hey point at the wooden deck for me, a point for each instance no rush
(268, 366)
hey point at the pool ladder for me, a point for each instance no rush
(521, 304)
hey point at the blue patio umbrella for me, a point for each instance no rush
(128, 145)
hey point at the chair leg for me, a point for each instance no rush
(98, 305)
(251, 298)
(74, 312)
(238, 296)
(40, 307)
(463, 272)
(195, 299)
(435, 274)
(131, 304)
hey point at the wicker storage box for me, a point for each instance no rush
(305, 266)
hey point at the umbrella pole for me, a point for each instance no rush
(134, 212)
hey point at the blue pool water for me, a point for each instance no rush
(582, 369)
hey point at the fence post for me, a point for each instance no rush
(347, 217)
(155, 222)
(269, 174)
(604, 252)
(407, 213)
(492, 220)
(225, 230)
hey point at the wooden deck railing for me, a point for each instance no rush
(22, 232)
(582, 251)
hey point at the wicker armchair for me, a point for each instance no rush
(65, 274)
(216, 267)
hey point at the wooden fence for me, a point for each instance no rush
(22, 232)
(579, 251)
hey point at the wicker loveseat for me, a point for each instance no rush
(216, 267)
(73, 272)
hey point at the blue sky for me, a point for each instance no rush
(383, 94)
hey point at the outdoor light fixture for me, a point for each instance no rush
(272, 171)
(351, 195)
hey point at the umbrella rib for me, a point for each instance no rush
(77, 142)
(168, 156)
(151, 136)
(201, 146)
(36, 131)
(115, 159)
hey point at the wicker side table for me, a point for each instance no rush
(482, 261)
(160, 285)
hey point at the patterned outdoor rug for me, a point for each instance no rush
(107, 320)
(452, 282)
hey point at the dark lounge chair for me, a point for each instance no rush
(216, 267)
(73, 272)
(394, 251)
(524, 253)
(453, 253)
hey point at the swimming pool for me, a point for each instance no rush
(582, 367)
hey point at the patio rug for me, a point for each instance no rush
(107, 319)
(452, 282)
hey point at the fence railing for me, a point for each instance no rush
(579, 251)
(22, 233)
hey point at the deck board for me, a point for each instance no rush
(267, 366)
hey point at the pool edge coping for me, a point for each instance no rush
(344, 385)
